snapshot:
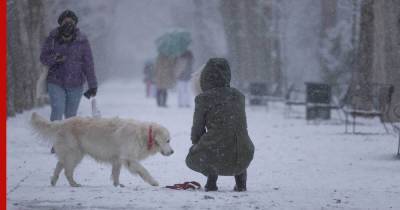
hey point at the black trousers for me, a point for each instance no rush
(240, 180)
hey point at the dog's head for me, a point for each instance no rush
(162, 139)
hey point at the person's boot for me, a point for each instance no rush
(211, 184)
(240, 182)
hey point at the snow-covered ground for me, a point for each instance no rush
(297, 165)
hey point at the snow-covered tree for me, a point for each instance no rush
(25, 32)
(338, 42)
(248, 33)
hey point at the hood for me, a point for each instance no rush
(215, 74)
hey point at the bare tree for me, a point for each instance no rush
(247, 27)
(338, 42)
(386, 49)
(25, 30)
(362, 76)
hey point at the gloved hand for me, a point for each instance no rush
(90, 93)
(60, 58)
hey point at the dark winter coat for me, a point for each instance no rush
(78, 64)
(221, 144)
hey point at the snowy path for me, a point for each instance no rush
(296, 165)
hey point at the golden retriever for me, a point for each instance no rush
(119, 142)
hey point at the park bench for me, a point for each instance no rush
(359, 103)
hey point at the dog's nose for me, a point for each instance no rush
(172, 152)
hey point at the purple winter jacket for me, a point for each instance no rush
(77, 66)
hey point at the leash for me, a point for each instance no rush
(95, 110)
(150, 140)
(185, 186)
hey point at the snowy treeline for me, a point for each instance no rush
(338, 40)
(248, 35)
(281, 43)
(288, 43)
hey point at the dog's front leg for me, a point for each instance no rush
(136, 167)
(56, 174)
(116, 169)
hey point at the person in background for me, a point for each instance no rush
(148, 72)
(164, 77)
(184, 70)
(221, 143)
(67, 54)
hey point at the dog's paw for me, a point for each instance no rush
(53, 181)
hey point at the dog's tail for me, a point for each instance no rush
(44, 128)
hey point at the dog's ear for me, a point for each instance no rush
(157, 130)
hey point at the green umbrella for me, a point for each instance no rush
(173, 44)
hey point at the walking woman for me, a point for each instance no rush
(67, 54)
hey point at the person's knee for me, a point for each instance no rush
(190, 164)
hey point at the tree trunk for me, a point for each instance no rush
(229, 10)
(247, 26)
(362, 78)
(386, 63)
(25, 29)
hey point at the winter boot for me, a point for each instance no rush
(211, 184)
(240, 182)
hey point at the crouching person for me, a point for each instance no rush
(221, 144)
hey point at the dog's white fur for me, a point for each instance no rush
(114, 141)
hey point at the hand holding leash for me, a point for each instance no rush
(90, 93)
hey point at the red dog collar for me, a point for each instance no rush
(150, 140)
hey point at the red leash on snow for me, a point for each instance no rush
(186, 185)
(150, 140)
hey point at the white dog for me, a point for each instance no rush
(114, 141)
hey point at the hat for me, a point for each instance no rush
(65, 14)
